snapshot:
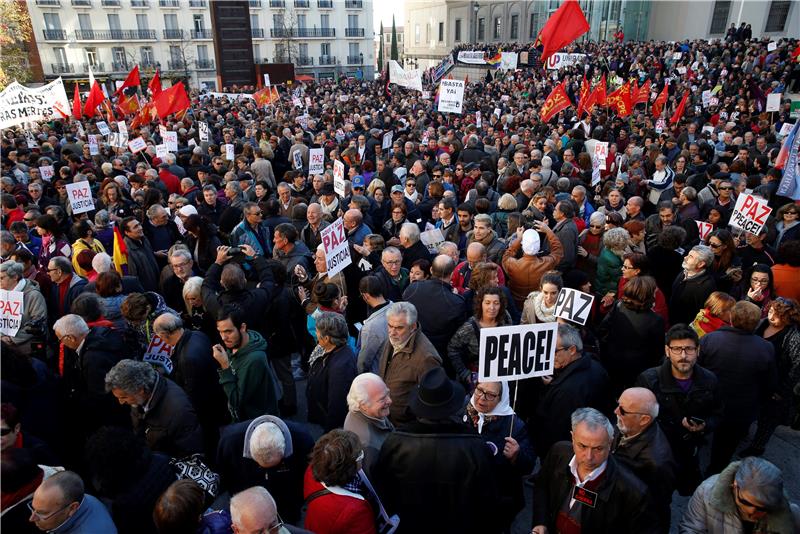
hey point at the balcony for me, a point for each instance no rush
(176, 64)
(279, 4)
(198, 4)
(173, 34)
(255, 3)
(280, 59)
(55, 35)
(316, 32)
(115, 35)
(327, 60)
(353, 4)
(354, 32)
(169, 3)
(96, 67)
(325, 4)
(201, 34)
(48, 3)
(257, 33)
(120, 66)
(111, 3)
(62, 68)
(204, 64)
(304, 61)
(140, 3)
(302, 4)
(81, 3)
(355, 60)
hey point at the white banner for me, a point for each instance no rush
(471, 57)
(517, 352)
(560, 59)
(574, 305)
(451, 96)
(12, 304)
(411, 79)
(316, 161)
(19, 104)
(750, 213)
(337, 249)
(774, 101)
(80, 197)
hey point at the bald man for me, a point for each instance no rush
(61, 505)
(254, 510)
(353, 221)
(641, 446)
(476, 253)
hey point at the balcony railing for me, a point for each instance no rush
(110, 3)
(327, 60)
(301, 32)
(277, 3)
(115, 35)
(325, 4)
(119, 66)
(169, 3)
(149, 65)
(207, 64)
(302, 4)
(62, 68)
(48, 2)
(176, 65)
(354, 60)
(55, 35)
(354, 32)
(353, 4)
(198, 3)
(201, 34)
(280, 59)
(82, 3)
(255, 3)
(257, 33)
(304, 61)
(96, 67)
(173, 34)
(140, 3)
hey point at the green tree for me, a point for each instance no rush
(394, 55)
(15, 33)
(380, 51)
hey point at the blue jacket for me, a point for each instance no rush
(259, 239)
(91, 516)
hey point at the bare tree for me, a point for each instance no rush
(286, 47)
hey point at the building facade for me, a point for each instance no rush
(323, 38)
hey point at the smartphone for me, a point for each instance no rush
(696, 421)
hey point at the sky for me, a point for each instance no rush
(382, 10)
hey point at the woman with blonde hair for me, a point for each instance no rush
(715, 314)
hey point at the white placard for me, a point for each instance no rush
(80, 197)
(426, 95)
(560, 59)
(161, 151)
(496, 112)
(203, 129)
(296, 102)
(316, 161)
(786, 129)
(266, 80)
(432, 239)
(298, 160)
(750, 213)
(703, 229)
(677, 55)
(772, 46)
(478, 121)
(81, 131)
(229, 154)
(338, 177)
(451, 96)
(94, 146)
(12, 304)
(774, 101)
(113, 139)
(192, 142)
(122, 127)
(20, 104)
(708, 128)
(601, 153)
(706, 98)
(162, 130)
(387, 140)
(574, 305)
(171, 140)
(47, 172)
(137, 145)
(30, 139)
(661, 124)
(159, 353)
(595, 171)
(122, 140)
(517, 352)
(411, 79)
(337, 249)
(103, 128)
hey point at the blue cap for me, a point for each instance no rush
(358, 181)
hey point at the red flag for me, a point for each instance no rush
(94, 99)
(557, 101)
(172, 100)
(584, 95)
(109, 112)
(274, 96)
(643, 95)
(564, 26)
(155, 85)
(634, 90)
(76, 104)
(658, 105)
(681, 108)
(262, 97)
(600, 90)
(131, 81)
(796, 54)
(620, 100)
(128, 105)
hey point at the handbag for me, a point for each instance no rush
(194, 468)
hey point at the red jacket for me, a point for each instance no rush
(341, 512)
(13, 216)
(172, 182)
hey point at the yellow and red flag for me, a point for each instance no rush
(620, 100)
(120, 253)
(263, 97)
(643, 95)
(556, 102)
(128, 105)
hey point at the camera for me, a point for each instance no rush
(235, 251)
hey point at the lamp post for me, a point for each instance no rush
(475, 8)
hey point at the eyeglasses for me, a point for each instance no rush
(54, 269)
(725, 188)
(623, 412)
(181, 265)
(275, 527)
(688, 350)
(485, 394)
(747, 503)
(411, 185)
(28, 220)
(44, 516)
(559, 349)
(762, 281)
(392, 262)
(791, 213)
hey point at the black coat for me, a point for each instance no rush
(417, 251)
(254, 302)
(689, 296)
(206, 254)
(440, 312)
(665, 265)
(329, 379)
(132, 508)
(746, 369)
(433, 474)
(142, 263)
(623, 501)
(130, 284)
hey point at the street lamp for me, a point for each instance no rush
(475, 8)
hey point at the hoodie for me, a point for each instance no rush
(250, 383)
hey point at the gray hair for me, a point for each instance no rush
(131, 376)
(234, 186)
(155, 210)
(597, 218)
(180, 252)
(484, 218)
(358, 390)
(7, 237)
(762, 480)
(705, 254)
(334, 326)
(71, 325)
(36, 186)
(410, 231)
(256, 499)
(101, 218)
(63, 264)
(570, 337)
(69, 484)
(12, 269)
(267, 443)
(689, 192)
(151, 173)
(443, 247)
(390, 250)
(192, 287)
(101, 262)
(167, 323)
(403, 308)
(616, 239)
(592, 419)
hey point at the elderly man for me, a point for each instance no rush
(692, 287)
(581, 487)
(310, 234)
(642, 447)
(483, 233)
(254, 510)
(253, 230)
(286, 202)
(585, 208)
(269, 452)
(180, 268)
(353, 221)
(633, 209)
(162, 414)
(393, 277)
(34, 307)
(525, 273)
(407, 355)
(369, 401)
(65, 288)
(413, 248)
(289, 250)
(60, 505)
(141, 258)
(161, 231)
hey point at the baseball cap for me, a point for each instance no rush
(358, 181)
(397, 189)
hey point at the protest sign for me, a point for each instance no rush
(297, 160)
(296, 102)
(677, 55)
(171, 140)
(103, 128)
(574, 305)
(94, 146)
(442, 68)
(47, 172)
(387, 141)
(560, 59)
(20, 104)
(772, 46)
(432, 239)
(316, 161)
(159, 353)
(786, 129)
(774, 101)
(338, 177)
(266, 80)
(706, 98)
(162, 130)
(12, 304)
(595, 171)
(426, 95)
(229, 153)
(601, 153)
(203, 129)
(661, 124)
(81, 131)
(508, 60)
(113, 139)
(308, 101)
(451, 96)
(80, 197)
(137, 145)
(31, 139)
(337, 249)
(161, 151)
(122, 127)
(122, 140)
(516, 352)
(478, 121)
(703, 229)
(411, 79)
(750, 213)
(192, 142)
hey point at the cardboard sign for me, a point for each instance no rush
(432, 239)
(103, 128)
(338, 177)
(171, 140)
(478, 121)
(750, 213)
(229, 154)
(786, 129)
(80, 197)
(517, 352)
(113, 139)
(601, 153)
(137, 145)
(122, 127)
(337, 249)
(298, 160)
(451, 96)
(161, 151)
(81, 131)
(703, 229)
(387, 140)
(774, 101)
(47, 172)
(94, 146)
(203, 129)
(714, 101)
(574, 305)
(316, 161)
(159, 353)
(11, 304)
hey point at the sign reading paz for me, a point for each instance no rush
(750, 213)
(159, 353)
(80, 197)
(11, 304)
(316, 161)
(516, 352)
(574, 305)
(337, 249)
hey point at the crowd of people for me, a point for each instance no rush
(168, 335)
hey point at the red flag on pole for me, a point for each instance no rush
(557, 101)
(564, 26)
(172, 100)
(584, 95)
(643, 95)
(131, 81)
(620, 100)
(600, 92)
(658, 105)
(681, 108)
(76, 104)
(94, 99)
(155, 85)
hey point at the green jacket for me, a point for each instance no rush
(250, 383)
(609, 271)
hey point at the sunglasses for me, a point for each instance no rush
(725, 188)
(623, 412)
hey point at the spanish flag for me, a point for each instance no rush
(263, 97)
(120, 253)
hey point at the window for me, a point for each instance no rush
(257, 52)
(457, 32)
(536, 25)
(302, 21)
(147, 55)
(497, 28)
(202, 52)
(171, 21)
(199, 23)
(91, 56)
(416, 34)
(481, 29)
(428, 32)
(277, 20)
(302, 49)
(84, 21)
(142, 24)
(719, 19)
(352, 21)
(51, 21)
(254, 21)
(514, 27)
(61, 55)
(113, 21)
(353, 49)
(441, 32)
(118, 53)
(778, 13)
(325, 21)
(175, 54)
(400, 38)
(325, 49)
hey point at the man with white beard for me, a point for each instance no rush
(407, 355)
